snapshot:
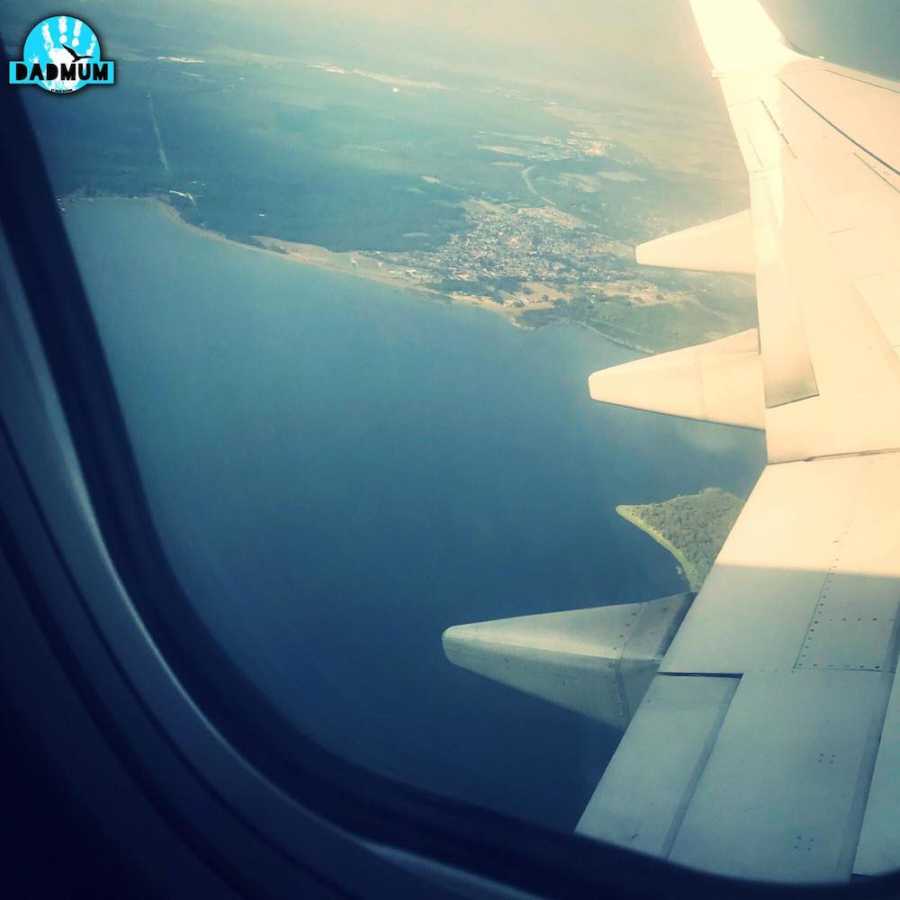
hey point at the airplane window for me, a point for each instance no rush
(353, 267)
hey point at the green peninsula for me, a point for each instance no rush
(692, 527)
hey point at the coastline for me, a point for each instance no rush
(343, 263)
(629, 514)
(350, 263)
(304, 254)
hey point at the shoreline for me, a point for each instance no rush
(348, 262)
(338, 262)
(687, 570)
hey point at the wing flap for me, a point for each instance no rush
(644, 793)
(879, 850)
(782, 795)
(762, 777)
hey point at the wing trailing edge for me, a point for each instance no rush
(599, 662)
(720, 381)
(725, 245)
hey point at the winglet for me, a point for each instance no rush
(740, 35)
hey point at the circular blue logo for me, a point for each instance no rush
(62, 55)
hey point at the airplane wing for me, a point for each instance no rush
(767, 744)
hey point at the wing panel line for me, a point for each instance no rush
(711, 737)
(839, 130)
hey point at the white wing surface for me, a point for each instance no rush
(784, 664)
(767, 746)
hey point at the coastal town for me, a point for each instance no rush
(526, 256)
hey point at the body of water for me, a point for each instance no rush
(340, 470)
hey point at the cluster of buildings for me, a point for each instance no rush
(525, 255)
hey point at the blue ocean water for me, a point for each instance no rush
(340, 470)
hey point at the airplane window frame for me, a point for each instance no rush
(361, 805)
